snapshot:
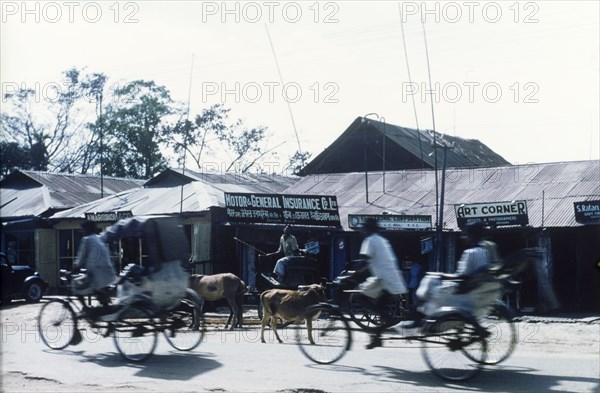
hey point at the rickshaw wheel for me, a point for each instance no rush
(362, 312)
(184, 326)
(330, 332)
(135, 333)
(454, 347)
(57, 324)
(502, 338)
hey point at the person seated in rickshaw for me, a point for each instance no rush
(434, 292)
(288, 246)
(94, 256)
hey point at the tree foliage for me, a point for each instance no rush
(212, 136)
(129, 133)
(133, 127)
(47, 126)
(297, 161)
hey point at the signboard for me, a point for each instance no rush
(108, 216)
(284, 209)
(426, 245)
(391, 222)
(492, 213)
(587, 212)
(312, 247)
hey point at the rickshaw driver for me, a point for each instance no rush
(94, 256)
(386, 278)
(288, 246)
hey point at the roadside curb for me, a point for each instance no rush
(558, 319)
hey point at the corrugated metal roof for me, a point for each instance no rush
(194, 196)
(30, 193)
(549, 189)
(415, 145)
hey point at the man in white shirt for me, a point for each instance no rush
(385, 277)
(94, 257)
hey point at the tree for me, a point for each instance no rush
(134, 126)
(297, 161)
(86, 153)
(194, 138)
(12, 156)
(240, 149)
(50, 129)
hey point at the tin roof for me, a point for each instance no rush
(30, 193)
(549, 190)
(173, 192)
(362, 144)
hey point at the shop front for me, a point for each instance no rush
(253, 224)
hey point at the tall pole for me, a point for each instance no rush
(440, 241)
(383, 155)
(101, 149)
(186, 131)
(366, 170)
(364, 119)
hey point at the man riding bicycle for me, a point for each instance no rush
(94, 256)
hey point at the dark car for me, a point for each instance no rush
(20, 282)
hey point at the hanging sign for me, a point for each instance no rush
(284, 209)
(391, 222)
(587, 212)
(492, 213)
(426, 245)
(108, 216)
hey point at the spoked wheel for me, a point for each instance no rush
(330, 333)
(362, 311)
(502, 338)
(135, 333)
(451, 345)
(57, 324)
(184, 326)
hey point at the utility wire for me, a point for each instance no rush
(410, 81)
(283, 84)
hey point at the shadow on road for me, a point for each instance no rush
(178, 366)
(497, 379)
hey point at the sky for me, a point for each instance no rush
(520, 76)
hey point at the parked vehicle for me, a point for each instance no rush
(20, 282)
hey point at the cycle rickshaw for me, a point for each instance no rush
(456, 341)
(150, 299)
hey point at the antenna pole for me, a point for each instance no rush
(186, 130)
(286, 100)
(410, 81)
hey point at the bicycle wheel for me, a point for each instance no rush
(362, 311)
(134, 333)
(184, 326)
(502, 334)
(57, 324)
(450, 345)
(331, 335)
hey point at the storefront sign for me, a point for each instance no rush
(426, 245)
(285, 209)
(391, 222)
(587, 212)
(108, 216)
(493, 213)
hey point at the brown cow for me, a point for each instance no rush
(218, 286)
(288, 306)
